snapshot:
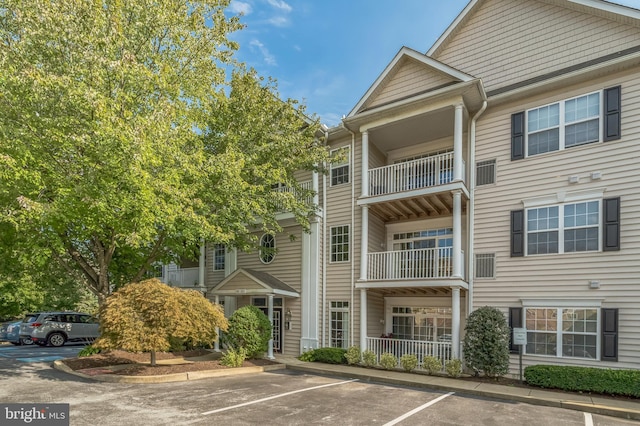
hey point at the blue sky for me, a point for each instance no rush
(327, 53)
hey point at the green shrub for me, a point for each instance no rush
(432, 365)
(353, 355)
(249, 328)
(453, 367)
(369, 358)
(233, 357)
(486, 342)
(88, 351)
(409, 362)
(330, 355)
(307, 356)
(388, 361)
(584, 379)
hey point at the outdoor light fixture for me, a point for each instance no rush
(287, 319)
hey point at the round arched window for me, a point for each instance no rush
(267, 248)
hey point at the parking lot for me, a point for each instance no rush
(284, 397)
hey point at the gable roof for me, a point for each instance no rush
(251, 282)
(446, 73)
(600, 5)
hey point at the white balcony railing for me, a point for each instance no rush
(421, 173)
(183, 277)
(306, 186)
(410, 264)
(420, 348)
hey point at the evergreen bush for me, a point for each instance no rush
(409, 362)
(353, 355)
(486, 342)
(233, 357)
(369, 358)
(249, 328)
(432, 365)
(388, 361)
(584, 379)
(453, 367)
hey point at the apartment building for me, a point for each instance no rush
(495, 169)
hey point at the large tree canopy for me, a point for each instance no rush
(121, 144)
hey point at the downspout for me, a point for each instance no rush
(353, 221)
(472, 192)
(324, 246)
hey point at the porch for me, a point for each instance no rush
(420, 348)
(428, 263)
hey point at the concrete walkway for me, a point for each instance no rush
(624, 408)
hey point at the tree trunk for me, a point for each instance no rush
(153, 358)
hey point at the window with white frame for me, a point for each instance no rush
(340, 159)
(340, 243)
(218, 257)
(267, 248)
(564, 228)
(562, 332)
(339, 327)
(564, 124)
(420, 323)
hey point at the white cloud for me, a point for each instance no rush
(240, 7)
(280, 4)
(279, 21)
(269, 59)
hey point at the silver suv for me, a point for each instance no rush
(57, 328)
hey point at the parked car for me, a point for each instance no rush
(11, 333)
(57, 328)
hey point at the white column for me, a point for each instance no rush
(364, 243)
(316, 188)
(457, 234)
(216, 344)
(309, 293)
(201, 264)
(455, 322)
(230, 261)
(270, 316)
(365, 163)
(457, 143)
(363, 319)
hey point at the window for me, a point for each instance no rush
(564, 228)
(485, 172)
(425, 254)
(339, 314)
(562, 332)
(218, 257)
(340, 243)
(341, 158)
(485, 265)
(419, 323)
(564, 124)
(267, 248)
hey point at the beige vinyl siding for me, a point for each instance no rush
(375, 315)
(410, 77)
(508, 41)
(564, 276)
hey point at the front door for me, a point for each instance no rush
(261, 302)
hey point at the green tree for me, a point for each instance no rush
(486, 342)
(121, 143)
(146, 316)
(249, 330)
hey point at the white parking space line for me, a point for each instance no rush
(588, 419)
(276, 396)
(416, 410)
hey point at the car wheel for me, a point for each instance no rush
(56, 339)
(26, 341)
(17, 343)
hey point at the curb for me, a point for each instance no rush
(167, 378)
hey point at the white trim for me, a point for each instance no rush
(564, 197)
(562, 303)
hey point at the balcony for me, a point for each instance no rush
(418, 264)
(183, 277)
(420, 348)
(411, 175)
(306, 186)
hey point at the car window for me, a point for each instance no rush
(29, 318)
(87, 319)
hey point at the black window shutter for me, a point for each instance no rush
(515, 321)
(611, 224)
(517, 136)
(612, 114)
(517, 233)
(609, 334)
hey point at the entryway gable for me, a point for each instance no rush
(250, 282)
(410, 73)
